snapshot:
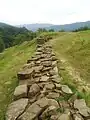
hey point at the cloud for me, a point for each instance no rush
(49, 11)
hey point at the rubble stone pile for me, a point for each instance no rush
(40, 96)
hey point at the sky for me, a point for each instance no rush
(17, 12)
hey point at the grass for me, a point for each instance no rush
(74, 49)
(11, 60)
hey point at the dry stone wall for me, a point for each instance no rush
(40, 96)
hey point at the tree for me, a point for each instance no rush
(51, 30)
(41, 30)
(2, 46)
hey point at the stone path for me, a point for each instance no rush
(40, 96)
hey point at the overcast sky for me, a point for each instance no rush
(44, 11)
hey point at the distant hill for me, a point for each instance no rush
(66, 27)
(36, 26)
(11, 35)
(70, 27)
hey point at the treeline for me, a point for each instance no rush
(10, 36)
(81, 29)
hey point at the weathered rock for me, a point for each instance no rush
(55, 78)
(58, 86)
(80, 104)
(47, 63)
(25, 74)
(46, 69)
(44, 79)
(55, 70)
(38, 69)
(34, 89)
(38, 53)
(37, 75)
(39, 49)
(65, 117)
(20, 92)
(52, 72)
(52, 95)
(77, 117)
(38, 62)
(48, 112)
(16, 108)
(35, 109)
(66, 89)
(49, 86)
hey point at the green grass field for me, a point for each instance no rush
(11, 60)
(75, 49)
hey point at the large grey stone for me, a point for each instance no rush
(34, 110)
(80, 104)
(16, 108)
(20, 92)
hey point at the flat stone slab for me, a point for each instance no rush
(26, 74)
(80, 104)
(15, 109)
(44, 79)
(49, 86)
(20, 92)
(65, 117)
(66, 89)
(53, 95)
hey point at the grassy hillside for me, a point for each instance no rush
(11, 60)
(75, 48)
(73, 52)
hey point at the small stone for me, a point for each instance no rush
(20, 92)
(25, 74)
(16, 108)
(58, 86)
(44, 79)
(65, 117)
(47, 63)
(77, 117)
(53, 102)
(47, 68)
(49, 86)
(48, 112)
(66, 89)
(34, 89)
(80, 104)
(52, 95)
(55, 70)
(38, 69)
(56, 78)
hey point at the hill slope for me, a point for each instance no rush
(66, 27)
(75, 49)
(35, 27)
(11, 61)
(70, 27)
